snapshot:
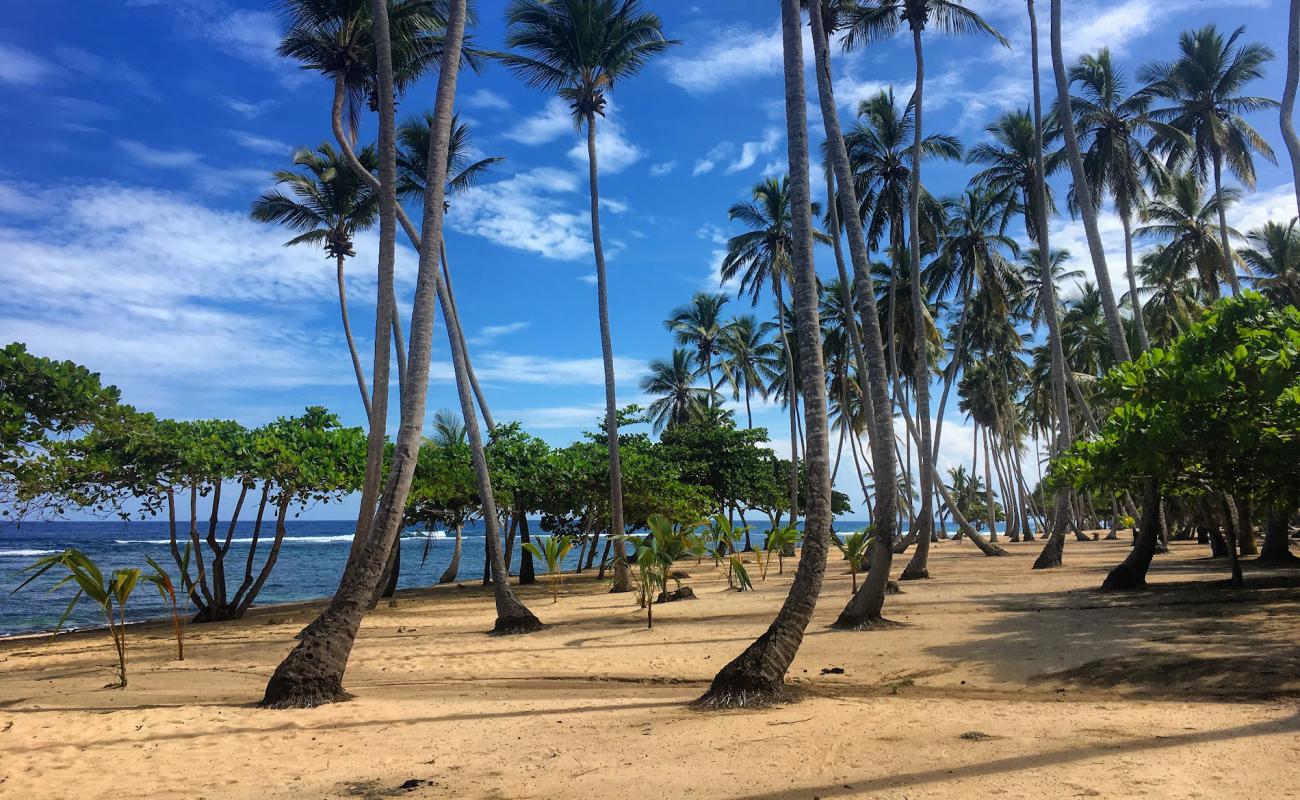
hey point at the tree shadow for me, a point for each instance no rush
(1191, 636)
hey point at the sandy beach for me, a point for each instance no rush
(1003, 682)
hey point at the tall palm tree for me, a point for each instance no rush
(1083, 192)
(874, 20)
(1034, 302)
(1274, 256)
(747, 354)
(1181, 216)
(699, 324)
(312, 673)
(327, 204)
(463, 172)
(762, 256)
(757, 676)
(580, 49)
(1112, 127)
(678, 401)
(1009, 166)
(448, 435)
(1203, 92)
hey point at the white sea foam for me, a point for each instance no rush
(27, 553)
(266, 538)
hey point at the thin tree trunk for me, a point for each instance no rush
(527, 570)
(1229, 267)
(1287, 113)
(924, 445)
(757, 676)
(864, 608)
(622, 574)
(347, 332)
(1086, 208)
(1055, 545)
(473, 377)
(1135, 301)
(792, 402)
(313, 672)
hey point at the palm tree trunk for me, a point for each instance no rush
(920, 341)
(622, 575)
(449, 574)
(1287, 112)
(749, 412)
(1229, 267)
(1132, 573)
(990, 510)
(1086, 208)
(347, 332)
(1134, 299)
(792, 402)
(757, 676)
(864, 608)
(312, 673)
(1055, 545)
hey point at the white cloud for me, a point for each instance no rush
(705, 165)
(490, 333)
(165, 295)
(246, 108)
(614, 153)
(591, 415)
(613, 206)
(735, 55)
(590, 279)
(23, 68)
(549, 124)
(515, 368)
(661, 169)
(159, 157)
(203, 177)
(528, 211)
(117, 73)
(259, 144)
(251, 36)
(750, 151)
(488, 100)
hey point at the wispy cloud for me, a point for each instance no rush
(705, 165)
(22, 67)
(734, 55)
(545, 370)
(249, 35)
(246, 108)
(663, 168)
(259, 144)
(490, 333)
(530, 211)
(202, 176)
(547, 125)
(750, 151)
(487, 100)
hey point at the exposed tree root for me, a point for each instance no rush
(730, 696)
(516, 626)
(871, 624)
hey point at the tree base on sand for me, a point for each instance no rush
(1050, 558)
(516, 625)
(914, 572)
(749, 681)
(870, 624)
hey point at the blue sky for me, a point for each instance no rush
(137, 132)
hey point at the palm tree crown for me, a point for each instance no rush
(326, 201)
(679, 401)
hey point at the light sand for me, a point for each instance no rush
(1189, 690)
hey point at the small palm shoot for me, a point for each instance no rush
(855, 548)
(737, 575)
(552, 551)
(780, 541)
(163, 583)
(110, 596)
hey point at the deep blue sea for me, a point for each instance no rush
(309, 566)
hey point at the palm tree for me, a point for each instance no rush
(1117, 161)
(1184, 218)
(746, 356)
(1203, 90)
(1171, 305)
(874, 20)
(699, 325)
(580, 49)
(1083, 192)
(1275, 255)
(463, 172)
(679, 402)
(312, 673)
(447, 437)
(762, 257)
(327, 204)
(1034, 303)
(757, 676)
(1009, 160)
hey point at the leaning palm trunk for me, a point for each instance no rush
(312, 673)
(1084, 194)
(460, 334)
(792, 398)
(449, 574)
(347, 332)
(622, 575)
(1288, 97)
(1052, 550)
(867, 603)
(757, 676)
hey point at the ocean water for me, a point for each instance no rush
(310, 563)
